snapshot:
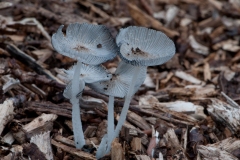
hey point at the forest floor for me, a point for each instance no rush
(188, 108)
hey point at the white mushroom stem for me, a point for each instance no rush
(127, 102)
(126, 105)
(102, 148)
(107, 139)
(110, 119)
(76, 118)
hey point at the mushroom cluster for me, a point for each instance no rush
(91, 45)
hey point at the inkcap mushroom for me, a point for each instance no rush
(91, 44)
(139, 47)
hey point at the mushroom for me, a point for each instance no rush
(117, 86)
(140, 47)
(91, 44)
(88, 43)
(119, 83)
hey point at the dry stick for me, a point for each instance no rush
(133, 108)
(145, 20)
(71, 18)
(49, 108)
(39, 26)
(78, 153)
(147, 7)
(30, 77)
(27, 60)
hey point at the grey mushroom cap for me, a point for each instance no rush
(91, 44)
(89, 73)
(67, 93)
(141, 46)
(119, 84)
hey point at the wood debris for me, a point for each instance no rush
(187, 108)
(7, 113)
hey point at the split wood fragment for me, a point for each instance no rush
(72, 150)
(6, 113)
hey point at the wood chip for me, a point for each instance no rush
(117, 150)
(72, 150)
(187, 77)
(6, 113)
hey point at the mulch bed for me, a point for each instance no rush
(186, 109)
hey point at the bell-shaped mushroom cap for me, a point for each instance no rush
(144, 47)
(67, 93)
(91, 44)
(119, 84)
(89, 73)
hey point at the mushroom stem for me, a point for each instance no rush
(101, 151)
(110, 119)
(125, 107)
(106, 142)
(76, 118)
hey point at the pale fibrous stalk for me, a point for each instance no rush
(76, 118)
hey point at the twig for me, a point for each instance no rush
(73, 151)
(133, 108)
(29, 61)
(147, 7)
(147, 21)
(27, 77)
(230, 101)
